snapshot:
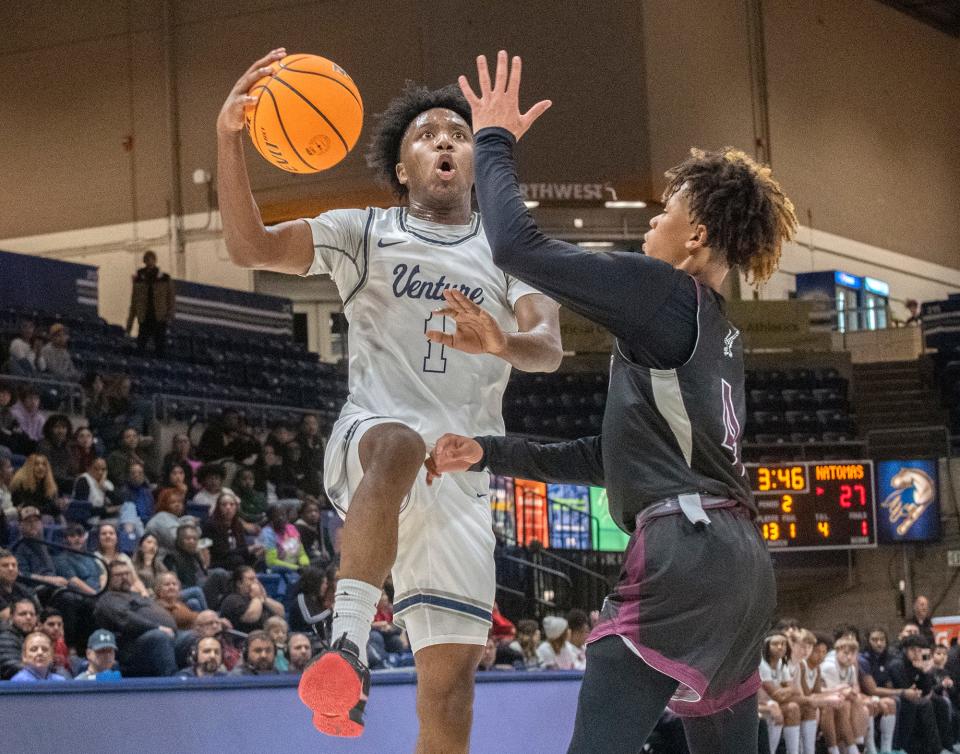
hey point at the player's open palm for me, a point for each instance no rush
(231, 114)
(476, 330)
(498, 103)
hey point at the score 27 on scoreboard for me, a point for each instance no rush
(815, 506)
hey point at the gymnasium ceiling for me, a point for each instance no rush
(940, 14)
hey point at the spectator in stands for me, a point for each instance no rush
(259, 655)
(278, 631)
(118, 462)
(488, 659)
(917, 721)
(526, 643)
(137, 490)
(281, 433)
(248, 606)
(168, 595)
(12, 436)
(281, 543)
(75, 565)
(11, 590)
(206, 659)
(55, 353)
(37, 660)
(913, 308)
(176, 479)
(184, 559)
(556, 652)
(280, 482)
(211, 477)
(96, 406)
(101, 655)
(94, 487)
(579, 623)
(299, 652)
(152, 304)
(921, 616)
(146, 561)
(181, 454)
(228, 542)
(221, 440)
(33, 485)
(314, 536)
(51, 623)
(209, 624)
(313, 586)
(55, 445)
(777, 687)
(304, 482)
(23, 620)
(83, 451)
(33, 558)
(7, 508)
(27, 413)
(108, 551)
(253, 502)
(312, 447)
(167, 519)
(144, 629)
(875, 681)
(22, 357)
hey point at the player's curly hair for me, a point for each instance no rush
(746, 213)
(383, 153)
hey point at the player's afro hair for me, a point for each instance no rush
(383, 153)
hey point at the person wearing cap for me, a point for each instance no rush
(101, 654)
(556, 652)
(37, 660)
(33, 556)
(75, 565)
(59, 362)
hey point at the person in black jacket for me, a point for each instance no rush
(224, 529)
(23, 620)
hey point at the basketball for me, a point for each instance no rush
(308, 114)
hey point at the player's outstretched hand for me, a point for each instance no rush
(477, 331)
(499, 103)
(452, 453)
(231, 114)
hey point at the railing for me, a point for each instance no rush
(58, 548)
(934, 440)
(69, 395)
(211, 406)
(545, 590)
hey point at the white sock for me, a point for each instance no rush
(870, 739)
(808, 736)
(834, 750)
(354, 606)
(773, 735)
(791, 737)
(852, 749)
(887, 725)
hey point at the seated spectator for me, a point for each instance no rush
(917, 721)
(83, 451)
(579, 623)
(488, 659)
(176, 479)
(101, 656)
(94, 487)
(146, 561)
(304, 483)
(526, 643)
(218, 441)
(556, 653)
(33, 556)
(37, 660)
(253, 503)
(75, 565)
(282, 547)
(96, 406)
(55, 446)
(312, 447)
(299, 652)
(21, 350)
(181, 455)
(875, 681)
(168, 595)
(33, 485)
(210, 477)
(108, 550)
(277, 629)
(313, 585)
(59, 362)
(167, 519)
(118, 462)
(393, 637)
(921, 616)
(30, 419)
(777, 702)
(276, 476)
(123, 411)
(144, 629)
(316, 539)
(228, 541)
(129, 528)
(51, 623)
(184, 559)
(11, 590)
(281, 433)
(839, 673)
(259, 655)
(23, 620)
(12, 436)
(7, 509)
(209, 624)
(206, 659)
(137, 490)
(248, 606)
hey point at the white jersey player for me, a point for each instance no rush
(434, 330)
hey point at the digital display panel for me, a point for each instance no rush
(813, 506)
(908, 492)
(569, 506)
(531, 500)
(607, 536)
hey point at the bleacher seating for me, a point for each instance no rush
(941, 331)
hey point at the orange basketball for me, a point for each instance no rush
(308, 114)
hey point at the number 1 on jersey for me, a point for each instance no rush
(435, 361)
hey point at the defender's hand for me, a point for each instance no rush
(499, 103)
(452, 453)
(230, 119)
(477, 331)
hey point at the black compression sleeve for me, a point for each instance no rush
(574, 462)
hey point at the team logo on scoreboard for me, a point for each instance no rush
(910, 510)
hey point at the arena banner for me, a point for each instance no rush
(908, 496)
(569, 506)
(607, 536)
(945, 629)
(202, 307)
(28, 282)
(531, 500)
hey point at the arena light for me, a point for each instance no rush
(531, 205)
(596, 244)
(623, 204)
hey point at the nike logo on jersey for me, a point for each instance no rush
(407, 283)
(383, 245)
(481, 494)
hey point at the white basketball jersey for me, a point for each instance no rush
(391, 270)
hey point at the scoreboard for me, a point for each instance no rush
(815, 505)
